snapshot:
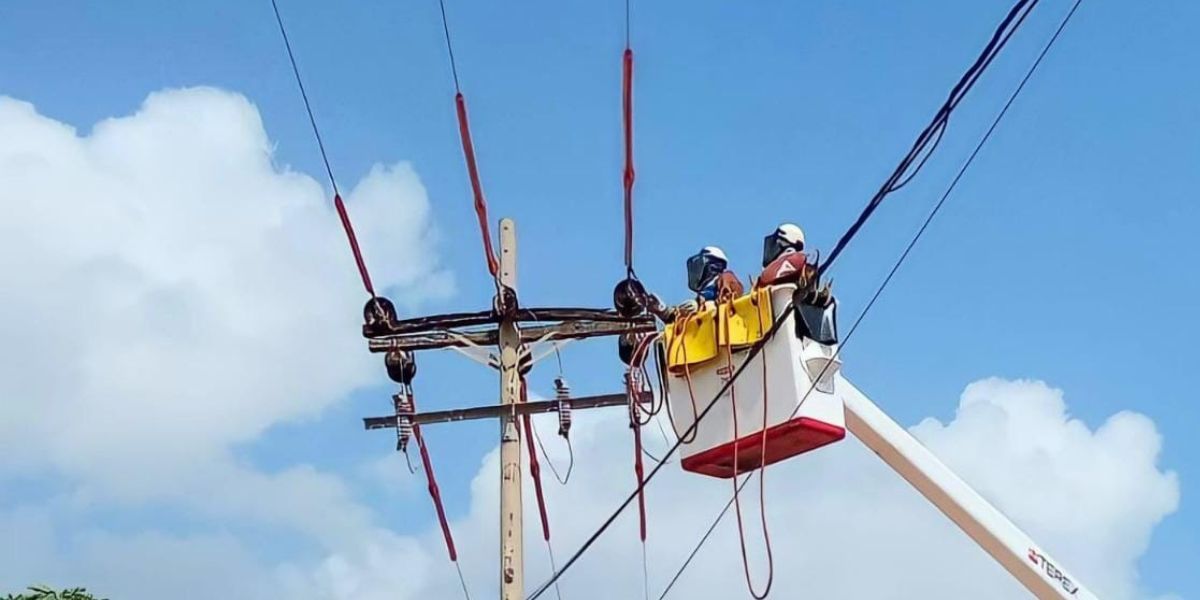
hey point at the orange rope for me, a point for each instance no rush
(736, 471)
(687, 376)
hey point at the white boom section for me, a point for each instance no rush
(997, 535)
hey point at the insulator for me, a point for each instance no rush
(379, 312)
(562, 391)
(629, 298)
(401, 367)
(626, 344)
(404, 424)
(564, 417)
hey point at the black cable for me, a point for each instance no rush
(998, 39)
(449, 46)
(304, 94)
(704, 539)
(900, 261)
(932, 132)
(627, 19)
(562, 479)
(941, 132)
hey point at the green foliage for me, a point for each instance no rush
(41, 592)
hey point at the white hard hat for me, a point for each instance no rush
(714, 252)
(790, 233)
(788, 237)
(704, 267)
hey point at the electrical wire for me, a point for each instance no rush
(553, 566)
(895, 267)
(704, 538)
(964, 84)
(562, 479)
(312, 120)
(449, 46)
(928, 139)
(462, 580)
(468, 148)
(340, 206)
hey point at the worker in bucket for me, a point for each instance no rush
(709, 275)
(784, 261)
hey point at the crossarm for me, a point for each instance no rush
(568, 330)
(494, 410)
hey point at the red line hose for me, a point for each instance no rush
(481, 210)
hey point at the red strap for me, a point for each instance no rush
(627, 102)
(433, 488)
(464, 132)
(635, 424)
(358, 258)
(637, 469)
(535, 470)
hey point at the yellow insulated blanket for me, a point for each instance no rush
(698, 337)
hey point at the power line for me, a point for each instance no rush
(704, 538)
(449, 46)
(900, 261)
(998, 40)
(468, 148)
(340, 206)
(312, 120)
(929, 138)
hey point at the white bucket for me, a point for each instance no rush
(800, 415)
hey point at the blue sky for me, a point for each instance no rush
(1065, 255)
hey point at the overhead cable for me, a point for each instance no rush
(337, 196)
(932, 134)
(468, 147)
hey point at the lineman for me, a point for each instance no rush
(709, 275)
(784, 261)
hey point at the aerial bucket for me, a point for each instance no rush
(791, 379)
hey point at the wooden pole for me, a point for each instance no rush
(512, 559)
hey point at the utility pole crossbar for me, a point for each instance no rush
(494, 412)
(445, 337)
(489, 317)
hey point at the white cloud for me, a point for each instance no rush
(170, 293)
(844, 526)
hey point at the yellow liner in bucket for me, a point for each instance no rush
(697, 338)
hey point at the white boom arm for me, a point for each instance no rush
(997, 535)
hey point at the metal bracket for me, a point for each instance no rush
(473, 351)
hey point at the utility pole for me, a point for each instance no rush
(511, 339)
(512, 556)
